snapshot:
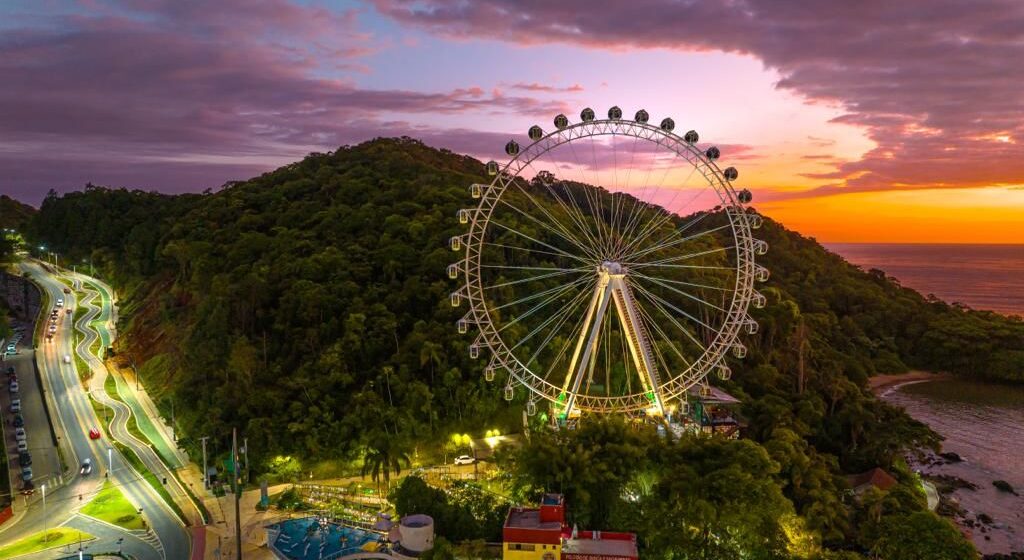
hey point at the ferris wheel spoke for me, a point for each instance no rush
(685, 294)
(639, 206)
(562, 315)
(527, 249)
(682, 283)
(575, 214)
(511, 267)
(565, 233)
(688, 256)
(691, 266)
(552, 297)
(535, 278)
(668, 241)
(661, 304)
(537, 241)
(571, 241)
(659, 221)
(540, 294)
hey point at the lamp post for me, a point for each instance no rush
(110, 460)
(44, 512)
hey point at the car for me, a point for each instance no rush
(22, 446)
(94, 433)
(67, 290)
(68, 311)
(19, 434)
(67, 358)
(86, 467)
(13, 387)
(12, 349)
(49, 336)
(15, 405)
(464, 460)
(24, 458)
(19, 421)
(60, 302)
(53, 329)
(10, 370)
(26, 473)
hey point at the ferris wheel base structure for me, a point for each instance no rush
(569, 280)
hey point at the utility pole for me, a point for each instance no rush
(245, 451)
(238, 493)
(206, 481)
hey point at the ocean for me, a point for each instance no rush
(980, 276)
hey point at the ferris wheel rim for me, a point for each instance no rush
(674, 384)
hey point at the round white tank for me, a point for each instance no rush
(417, 532)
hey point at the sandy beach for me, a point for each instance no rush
(879, 383)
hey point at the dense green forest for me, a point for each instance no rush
(14, 214)
(309, 306)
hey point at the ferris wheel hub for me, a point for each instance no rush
(612, 268)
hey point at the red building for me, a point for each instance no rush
(541, 534)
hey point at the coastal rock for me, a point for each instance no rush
(951, 457)
(1004, 486)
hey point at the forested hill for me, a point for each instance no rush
(13, 214)
(306, 298)
(309, 306)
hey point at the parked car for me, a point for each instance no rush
(16, 406)
(464, 460)
(13, 386)
(19, 421)
(86, 467)
(24, 458)
(19, 434)
(26, 473)
(22, 446)
(10, 371)
(12, 349)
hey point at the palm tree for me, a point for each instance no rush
(385, 456)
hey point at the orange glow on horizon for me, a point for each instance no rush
(980, 215)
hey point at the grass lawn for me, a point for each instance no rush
(34, 543)
(111, 506)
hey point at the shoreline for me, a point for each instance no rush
(882, 382)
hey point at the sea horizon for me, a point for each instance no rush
(983, 276)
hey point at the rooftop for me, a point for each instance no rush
(529, 518)
(620, 544)
(875, 477)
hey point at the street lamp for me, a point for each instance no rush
(44, 512)
(110, 460)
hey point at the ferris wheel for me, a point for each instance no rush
(608, 267)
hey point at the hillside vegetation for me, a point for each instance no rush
(309, 306)
(14, 214)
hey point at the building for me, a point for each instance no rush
(541, 534)
(714, 413)
(876, 477)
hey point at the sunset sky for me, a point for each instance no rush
(850, 121)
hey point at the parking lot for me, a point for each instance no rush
(37, 436)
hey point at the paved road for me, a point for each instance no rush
(74, 419)
(94, 323)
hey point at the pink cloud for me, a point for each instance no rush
(933, 84)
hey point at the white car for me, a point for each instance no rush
(13, 387)
(67, 358)
(60, 302)
(16, 406)
(464, 460)
(22, 445)
(53, 328)
(20, 435)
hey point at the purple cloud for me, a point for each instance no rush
(181, 96)
(932, 83)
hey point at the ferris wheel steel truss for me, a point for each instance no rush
(673, 385)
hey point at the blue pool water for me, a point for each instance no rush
(303, 539)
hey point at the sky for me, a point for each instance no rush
(871, 121)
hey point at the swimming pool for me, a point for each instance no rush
(308, 539)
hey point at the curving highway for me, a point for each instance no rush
(167, 537)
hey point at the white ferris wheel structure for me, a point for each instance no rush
(608, 267)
